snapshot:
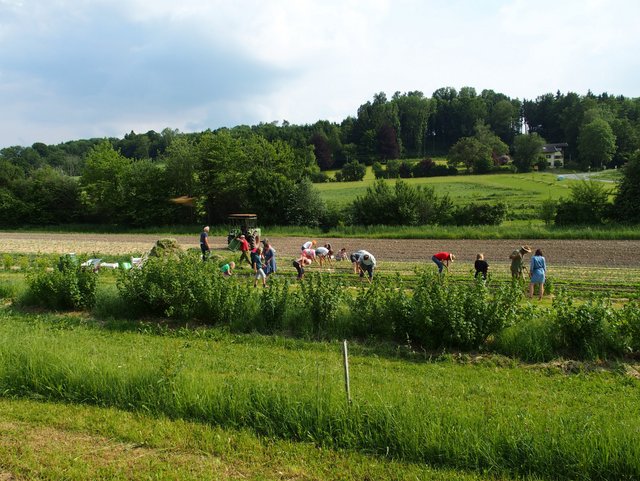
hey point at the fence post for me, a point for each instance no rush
(345, 358)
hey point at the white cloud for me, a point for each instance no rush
(81, 68)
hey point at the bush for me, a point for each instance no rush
(380, 310)
(320, 298)
(320, 177)
(481, 214)
(351, 172)
(183, 287)
(404, 205)
(69, 286)
(459, 315)
(629, 327)
(590, 329)
(273, 307)
(589, 204)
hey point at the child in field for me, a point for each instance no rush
(227, 269)
(256, 264)
(481, 266)
(342, 254)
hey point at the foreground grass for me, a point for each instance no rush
(487, 416)
(44, 440)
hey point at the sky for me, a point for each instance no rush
(78, 69)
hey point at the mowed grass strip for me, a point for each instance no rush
(42, 440)
(485, 416)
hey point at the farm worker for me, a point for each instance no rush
(227, 269)
(300, 264)
(537, 273)
(323, 254)
(204, 243)
(442, 259)
(308, 245)
(269, 258)
(244, 249)
(355, 260)
(367, 263)
(517, 257)
(481, 266)
(309, 254)
(342, 254)
(256, 264)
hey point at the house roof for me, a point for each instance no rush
(550, 149)
(553, 148)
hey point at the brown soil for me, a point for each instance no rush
(616, 253)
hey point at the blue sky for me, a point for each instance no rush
(72, 69)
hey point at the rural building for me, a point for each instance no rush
(554, 154)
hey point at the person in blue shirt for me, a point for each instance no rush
(204, 243)
(269, 258)
(256, 264)
(537, 273)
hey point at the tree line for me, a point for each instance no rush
(268, 167)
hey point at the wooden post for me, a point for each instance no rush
(345, 357)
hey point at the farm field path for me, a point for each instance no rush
(598, 253)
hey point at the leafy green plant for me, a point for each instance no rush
(588, 329)
(183, 286)
(381, 310)
(320, 297)
(273, 306)
(69, 286)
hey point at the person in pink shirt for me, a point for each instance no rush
(442, 260)
(309, 254)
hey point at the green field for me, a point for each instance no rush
(523, 193)
(90, 396)
(483, 415)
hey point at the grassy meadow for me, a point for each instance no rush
(480, 415)
(523, 193)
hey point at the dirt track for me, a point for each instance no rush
(558, 252)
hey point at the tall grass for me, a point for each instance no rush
(503, 420)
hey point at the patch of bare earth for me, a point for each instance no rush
(599, 253)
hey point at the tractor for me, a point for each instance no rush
(242, 224)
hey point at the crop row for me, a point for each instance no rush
(430, 312)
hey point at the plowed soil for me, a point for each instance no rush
(616, 253)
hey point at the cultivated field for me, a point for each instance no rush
(597, 253)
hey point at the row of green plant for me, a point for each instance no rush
(484, 417)
(434, 312)
(508, 230)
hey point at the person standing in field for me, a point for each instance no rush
(244, 249)
(481, 266)
(269, 258)
(537, 273)
(204, 243)
(442, 260)
(256, 265)
(517, 265)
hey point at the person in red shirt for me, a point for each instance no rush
(442, 260)
(244, 249)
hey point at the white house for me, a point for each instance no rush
(554, 154)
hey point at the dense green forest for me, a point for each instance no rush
(269, 168)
